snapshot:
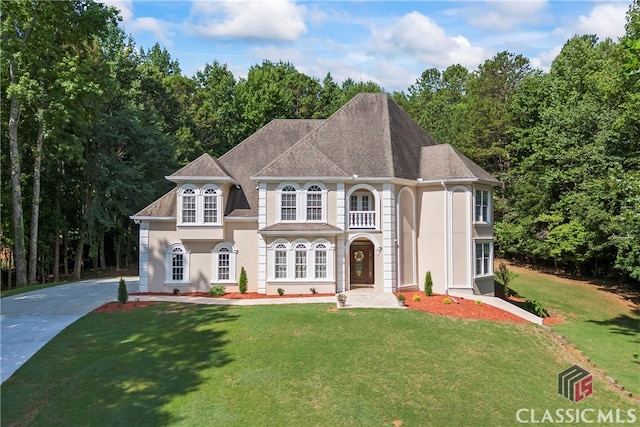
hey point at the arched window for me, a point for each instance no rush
(314, 203)
(199, 206)
(223, 267)
(320, 255)
(280, 261)
(288, 203)
(188, 205)
(210, 206)
(301, 261)
(177, 264)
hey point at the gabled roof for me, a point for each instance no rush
(440, 162)
(204, 167)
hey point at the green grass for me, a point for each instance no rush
(190, 365)
(597, 323)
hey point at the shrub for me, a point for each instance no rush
(478, 302)
(447, 300)
(536, 308)
(401, 297)
(313, 291)
(280, 291)
(504, 277)
(416, 298)
(428, 284)
(217, 290)
(176, 291)
(242, 283)
(123, 295)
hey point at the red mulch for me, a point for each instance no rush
(465, 308)
(111, 307)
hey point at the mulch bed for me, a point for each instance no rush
(464, 308)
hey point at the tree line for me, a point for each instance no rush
(92, 124)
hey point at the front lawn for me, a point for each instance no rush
(181, 364)
(600, 323)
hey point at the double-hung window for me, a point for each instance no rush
(288, 210)
(177, 264)
(280, 261)
(210, 202)
(223, 258)
(314, 203)
(301, 261)
(484, 258)
(189, 206)
(321, 261)
(482, 206)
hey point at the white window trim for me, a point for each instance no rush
(301, 202)
(489, 201)
(169, 265)
(200, 205)
(291, 248)
(477, 242)
(215, 252)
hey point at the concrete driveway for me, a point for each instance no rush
(30, 320)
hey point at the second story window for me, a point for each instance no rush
(199, 206)
(210, 199)
(288, 204)
(189, 206)
(314, 203)
(482, 206)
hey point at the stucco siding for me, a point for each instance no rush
(430, 238)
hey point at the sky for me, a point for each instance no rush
(388, 42)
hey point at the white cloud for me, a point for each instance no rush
(263, 20)
(422, 38)
(161, 30)
(605, 20)
(506, 15)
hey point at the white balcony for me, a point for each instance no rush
(362, 219)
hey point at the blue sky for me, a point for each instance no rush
(389, 42)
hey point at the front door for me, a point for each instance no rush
(361, 264)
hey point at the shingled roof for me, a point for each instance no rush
(370, 136)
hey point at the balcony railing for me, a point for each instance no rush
(362, 219)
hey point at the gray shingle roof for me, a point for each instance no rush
(370, 136)
(445, 162)
(203, 166)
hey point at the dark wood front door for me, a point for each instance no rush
(361, 263)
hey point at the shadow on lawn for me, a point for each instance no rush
(623, 324)
(163, 360)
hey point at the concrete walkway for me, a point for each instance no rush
(355, 299)
(502, 305)
(31, 319)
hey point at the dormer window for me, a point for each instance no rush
(288, 203)
(189, 205)
(199, 206)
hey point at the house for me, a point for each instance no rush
(364, 198)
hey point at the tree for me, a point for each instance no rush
(38, 39)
